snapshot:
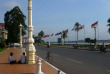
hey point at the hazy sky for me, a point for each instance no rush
(54, 16)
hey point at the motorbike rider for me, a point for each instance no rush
(102, 48)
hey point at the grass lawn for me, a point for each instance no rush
(1, 49)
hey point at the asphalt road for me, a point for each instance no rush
(75, 61)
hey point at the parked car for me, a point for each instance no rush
(15, 44)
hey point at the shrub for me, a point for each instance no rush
(2, 45)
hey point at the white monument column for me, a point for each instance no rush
(20, 26)
(30, 52)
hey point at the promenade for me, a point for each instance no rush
(6, 68)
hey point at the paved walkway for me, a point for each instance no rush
(6, 68)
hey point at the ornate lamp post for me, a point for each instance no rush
(6, 32)
(20, 35)
(30, 52)
(3, 34)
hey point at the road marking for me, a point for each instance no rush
(74, 60)
(104, 57)
(108, 70)
(54, 54)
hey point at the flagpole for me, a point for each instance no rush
(49, 40)
(95, 36)
(75, 35)
(77, 38)
(94, 26)
(84, 33)
(68, 37)
(62, 38)
(98, 34)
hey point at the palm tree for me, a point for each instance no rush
(77, 28)
(108, 25)
(64, 35)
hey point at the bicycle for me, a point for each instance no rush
(49, 57)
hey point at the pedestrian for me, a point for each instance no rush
(22, 59)
(10, 59)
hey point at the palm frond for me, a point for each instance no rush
(108, 25)
(109, 30)
(108, 20)
(77, 26)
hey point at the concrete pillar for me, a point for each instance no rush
(20, 35)
(30, 48)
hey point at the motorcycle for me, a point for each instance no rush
(103, 50)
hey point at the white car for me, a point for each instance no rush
(15, 44)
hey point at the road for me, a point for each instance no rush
(76, 61)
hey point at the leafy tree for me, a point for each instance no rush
(64, 35)
(77, 28)
(87, 40)
(13, 19)
(41, 34)
(108, 25)
(37, 40)
(92, 41)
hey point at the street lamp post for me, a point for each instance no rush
(6, 32)
(20, 35)
(30, 52)
(3, 34)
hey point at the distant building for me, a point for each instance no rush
(2, 25)
(24, 39)
(3, 32)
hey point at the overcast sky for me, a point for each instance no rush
(54, 16)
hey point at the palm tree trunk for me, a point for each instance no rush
(64, 41)
(77, 38)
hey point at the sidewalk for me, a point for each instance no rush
(6, 68)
